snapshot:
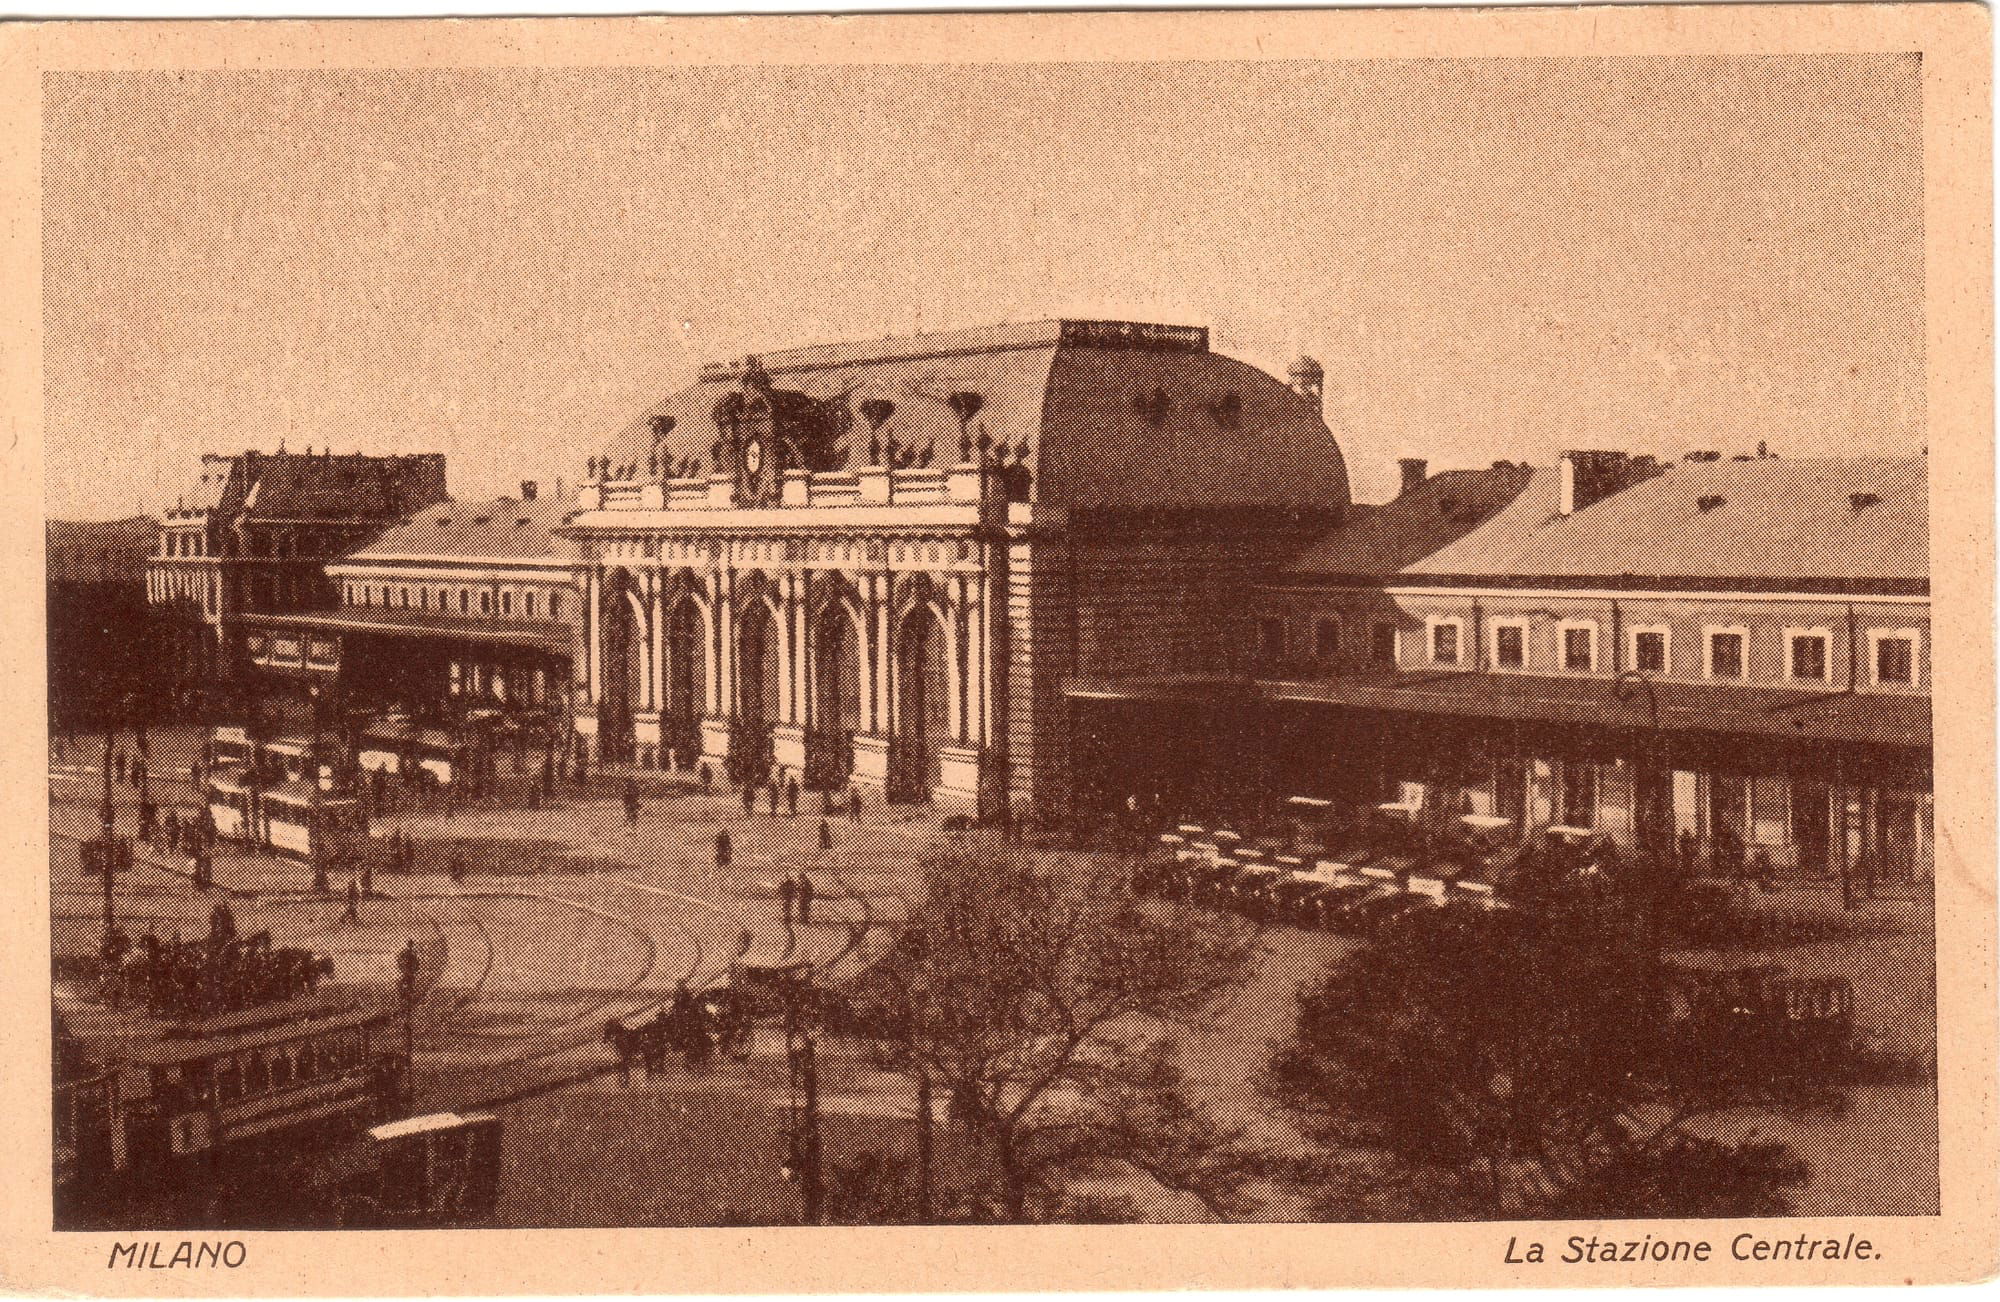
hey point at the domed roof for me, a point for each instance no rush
(1104, 413)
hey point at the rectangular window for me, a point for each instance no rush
(506, 603)
(485, 603)
(1579, 647)
(424, 598)
(1326, 641)
(1807, 657)
(1271, 638)
(555, 605)
(1444, 642)
(1510, 646)
(1382, 649)
(1649, 650)
(528, 605)
(1895, 659)
(464, 601)
(1725, 653)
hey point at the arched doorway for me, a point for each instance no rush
(686, 681)
(923, 706)
(836, 703)
(624, 667)
(758, 682)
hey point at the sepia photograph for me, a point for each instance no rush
(979, 642)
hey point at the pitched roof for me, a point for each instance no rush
(1109, 413)
(1832, 522)
(1376, 541)
(503, 528)
(315, 486)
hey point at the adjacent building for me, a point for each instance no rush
(1730, 656)
(99, 651)
(254, 537)
(463, 605)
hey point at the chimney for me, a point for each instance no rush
(1415, 472)
(1587, 478)
(528, 488)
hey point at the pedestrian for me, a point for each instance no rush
(631, 803)
(771, 790)
(749, 799)
(825, 835)
(805, 899)
(707, 777)
(724, 851)
(204, 869)
(174, 830)
(792, 797)
(853, 804)
(194, 776)
(353, 914)
(787, 891)
(367, 879)
(138, 772)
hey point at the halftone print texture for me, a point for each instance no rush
(1178, 642)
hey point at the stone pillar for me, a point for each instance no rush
(595, 674)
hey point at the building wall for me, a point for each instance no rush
(1850, 628)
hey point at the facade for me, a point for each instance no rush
(253, 539)
(1729, 657)
(462, 605)
(879, 563)
(96, 601)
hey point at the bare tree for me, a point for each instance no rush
(1040, 999)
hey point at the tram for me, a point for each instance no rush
(231, 745)
(232, 801)
(298, 820)
(291, 819)
(227, 1116)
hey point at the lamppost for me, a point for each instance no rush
(802, 1162)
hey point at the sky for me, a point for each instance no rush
(1492, 258)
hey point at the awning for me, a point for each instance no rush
(542, 634)
(1875, 719)
(1879, 719)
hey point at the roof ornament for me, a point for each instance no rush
(754, 374)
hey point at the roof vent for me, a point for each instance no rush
(1862, 501)
(1708, 501)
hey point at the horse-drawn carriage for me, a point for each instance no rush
(698, 1025)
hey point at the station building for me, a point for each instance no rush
(880, 563)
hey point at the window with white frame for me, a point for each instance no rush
(1892, 657)
(1446, 635)
(528, 605)
(1806, 654)
(1652, 649)
(506, 603)
(464, 601)
(1577, 640)
(1510, 644)
(1725, 652)
(485, 603)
